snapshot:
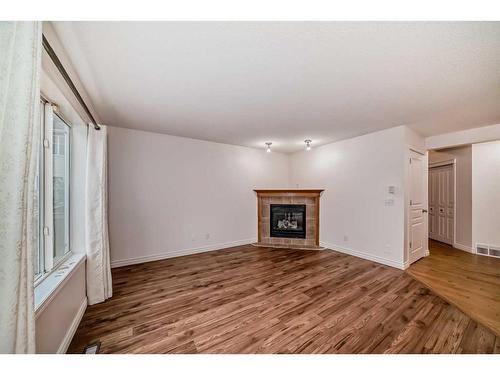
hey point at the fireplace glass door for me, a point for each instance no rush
(288, 220)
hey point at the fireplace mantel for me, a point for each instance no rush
(289, 191)
(308, 197)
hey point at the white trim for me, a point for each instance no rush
(417, 150)
(459, 246)
(178, 253)
(48, 199)
(363, 255)
(50, 286)
(55, 267)
(442, 163)
(453, 163)
(455, 199)
(72, 328)
(407, 264)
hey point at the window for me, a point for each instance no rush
(38, 203)
(52, 193)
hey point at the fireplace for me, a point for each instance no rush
(288, 220)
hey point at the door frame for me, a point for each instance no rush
(425, 154)
(453, 163)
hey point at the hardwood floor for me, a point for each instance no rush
(470, 282)
(257, 300)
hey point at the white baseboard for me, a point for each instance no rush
(360, 254)
(72, 328)
(459, 246)
(178, 253)
(407, 264)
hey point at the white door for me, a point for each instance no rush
(416, 231)
(442, 203)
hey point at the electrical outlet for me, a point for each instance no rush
(92, 348)
(387, 250)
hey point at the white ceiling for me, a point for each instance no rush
(246, 83)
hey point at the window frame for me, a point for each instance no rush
(41, 195)
(47, 263)
(67, 183)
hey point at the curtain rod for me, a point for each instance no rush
(68, 80)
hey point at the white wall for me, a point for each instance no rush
(56, 324)
(171, 196)
(486, 193)
(355, 174)
(463, 165)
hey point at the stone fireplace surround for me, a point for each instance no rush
(308, 197)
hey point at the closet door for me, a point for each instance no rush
(442, 203)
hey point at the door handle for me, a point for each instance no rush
(424, 210)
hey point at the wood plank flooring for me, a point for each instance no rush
(470, 282)
(257, 300)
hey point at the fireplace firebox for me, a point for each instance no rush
(288, 220)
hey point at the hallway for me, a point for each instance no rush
(468, 281)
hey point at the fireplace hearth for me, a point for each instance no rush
(288, 220)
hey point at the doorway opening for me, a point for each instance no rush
(442, 203)
(450, 197)
(463, 202)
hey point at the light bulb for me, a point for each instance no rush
(268, 144)
(308, 144)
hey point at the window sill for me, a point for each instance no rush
(48, 288)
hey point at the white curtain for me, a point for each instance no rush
(20, 60)
(99, 286)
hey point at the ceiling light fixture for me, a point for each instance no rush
(308, 144)
(268, 144)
